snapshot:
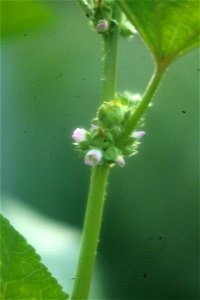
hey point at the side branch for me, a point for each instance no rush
(142, 106)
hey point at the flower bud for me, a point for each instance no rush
(120, 161)
(102, 26)
(79, 135)
(111, 114)
(138, 134)
(93, 157)
(111, 154)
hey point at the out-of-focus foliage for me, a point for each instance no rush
(19, 16)
(22, 275)
(170, 28)
(56, 242)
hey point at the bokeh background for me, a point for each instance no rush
(50, 72)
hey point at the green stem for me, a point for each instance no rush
(83, 4)
(109, 75)
(142, 106)
(98, 181)
(91, 231)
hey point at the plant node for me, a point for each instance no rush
(98, 144)
(100, 14)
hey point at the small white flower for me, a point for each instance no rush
(138, 134)
(120, 161)
(93, 157)
(102, 26)
(79, 135)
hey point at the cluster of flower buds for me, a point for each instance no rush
(99, 144)
(100, 16)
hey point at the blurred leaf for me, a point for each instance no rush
(169, 28)
(23, 276)
(17, 17)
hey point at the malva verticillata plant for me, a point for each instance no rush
(170, 29)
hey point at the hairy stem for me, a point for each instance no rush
(110, 58)
(142, 106)
(91, 231)
(99, 176)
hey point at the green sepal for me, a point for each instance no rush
(129, 150)
(101, 14)
(102, 139)
(127, 116)
(84, 145)
(111, 154)
(130, 141)
(116, 131)
(129, 99)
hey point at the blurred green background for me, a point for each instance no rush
(51, 70)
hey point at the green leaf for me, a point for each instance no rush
(170, 28)
(22, 274)
(19, 17)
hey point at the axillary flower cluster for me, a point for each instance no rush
(100, 144)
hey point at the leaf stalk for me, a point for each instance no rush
(142, 106)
